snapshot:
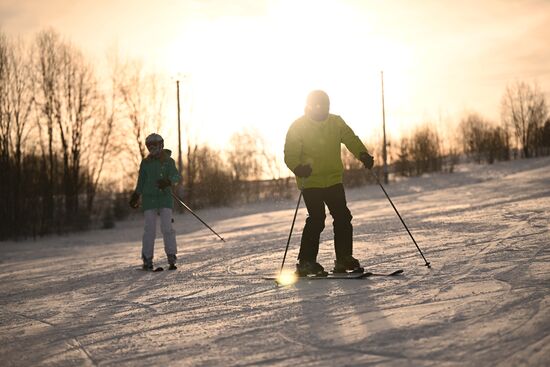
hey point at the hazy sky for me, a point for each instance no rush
(250, 63)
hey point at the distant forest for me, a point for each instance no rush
(63, 129)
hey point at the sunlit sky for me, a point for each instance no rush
(250, 63)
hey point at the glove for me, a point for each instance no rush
(164, 183)
(134, 200)
(303, 170)
(366, 159)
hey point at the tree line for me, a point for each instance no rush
(71, 142)
(522, 132)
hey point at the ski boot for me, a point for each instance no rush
(348, 264)
(306, 268)
(172, 262)
(147, 264)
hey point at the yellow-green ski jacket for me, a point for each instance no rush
(318, 143)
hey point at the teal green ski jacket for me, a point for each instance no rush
(150, 171)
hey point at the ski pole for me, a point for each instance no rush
(196, 216)
(402, 221)
(292, 226)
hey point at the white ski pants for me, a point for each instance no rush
(150, 232)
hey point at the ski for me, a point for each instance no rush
(353, 275)
(393, 273)
(366, 274)
(155, 270)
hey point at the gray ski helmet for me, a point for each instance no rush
(154, 143)
(317, 97)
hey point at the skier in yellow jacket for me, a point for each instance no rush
(312, 152)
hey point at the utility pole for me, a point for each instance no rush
(180, 161)
(384, 152)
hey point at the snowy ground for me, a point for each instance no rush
(79, 300)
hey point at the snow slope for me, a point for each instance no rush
(79, 300)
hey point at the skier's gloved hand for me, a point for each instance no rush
(303, 170)
(366, 159)
(164, 183)
(134, 200)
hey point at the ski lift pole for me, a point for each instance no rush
(402, 221)
(196, 216)
(292, 226)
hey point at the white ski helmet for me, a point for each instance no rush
(154, 143)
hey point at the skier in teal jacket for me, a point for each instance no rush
(157, 174)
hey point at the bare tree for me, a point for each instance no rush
(545, 137)
(425, 150)
(100, 144)
(4, 91)
(67, 99)
(270, 164)
(5, 203)
(248, 160)
(524, 109)
(473, 130)
(55, 87)
(191, 166)
(483, 140)
(245, 155)
(15, 107)
(213, 178)
(21, 99)
(45, 80)
(143, 97)
(403, 164)
(279, 187)
(80, 96)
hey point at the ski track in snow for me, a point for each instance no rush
(80, 299)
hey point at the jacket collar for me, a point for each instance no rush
(164, 155)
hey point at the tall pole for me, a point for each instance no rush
(401, 219)
(195, 215)
(384, 152)
(180, 161)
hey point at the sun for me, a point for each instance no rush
(255, 72)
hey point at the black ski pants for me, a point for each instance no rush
(335, 199)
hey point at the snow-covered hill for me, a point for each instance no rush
(79, 300)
